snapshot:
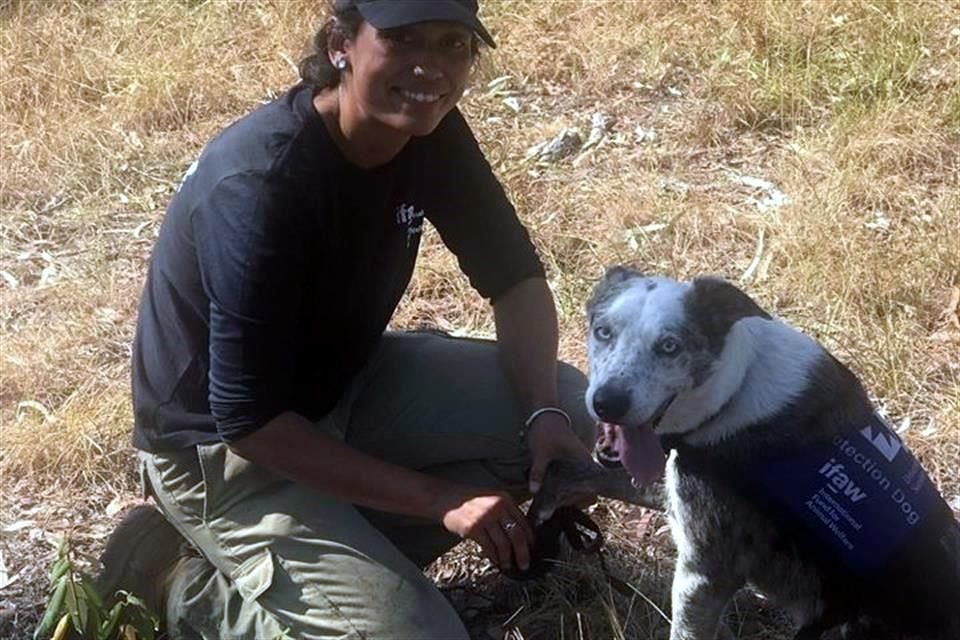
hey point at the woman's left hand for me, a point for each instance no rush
(551, 438)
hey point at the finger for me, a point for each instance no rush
(486, 545)
(504, 548)
(521, 546)
(521, 536)
(522, 523)
(538, 470)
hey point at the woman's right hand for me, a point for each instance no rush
(492, 520)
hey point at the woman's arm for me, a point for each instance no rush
(527, 336)
(291, 446)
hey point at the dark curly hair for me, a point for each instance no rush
(316, 69)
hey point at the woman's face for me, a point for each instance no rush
(407, 78)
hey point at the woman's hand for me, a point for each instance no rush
(551, 438)
(492, 520)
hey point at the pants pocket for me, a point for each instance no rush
(254, 576)
(206, 482)
(229, 480)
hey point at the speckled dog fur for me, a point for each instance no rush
(745, 384)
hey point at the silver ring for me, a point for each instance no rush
(510, 525)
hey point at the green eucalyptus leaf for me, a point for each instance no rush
(52, 614)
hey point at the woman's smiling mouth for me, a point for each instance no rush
(423, 98)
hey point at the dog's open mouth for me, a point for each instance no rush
(636, 447)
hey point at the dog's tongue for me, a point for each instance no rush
(641, 453)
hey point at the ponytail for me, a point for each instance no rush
(315, 69)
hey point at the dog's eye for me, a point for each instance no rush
(602, 332)
(667, 347)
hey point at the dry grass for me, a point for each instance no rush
(851, 108)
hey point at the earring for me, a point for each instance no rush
(418, 71)
(341, 63)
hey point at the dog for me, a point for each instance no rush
(781, 474)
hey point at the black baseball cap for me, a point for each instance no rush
(387, 14)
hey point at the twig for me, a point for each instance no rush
(757, 255)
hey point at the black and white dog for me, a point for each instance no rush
(781, 475)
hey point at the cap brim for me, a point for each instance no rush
(388, 14)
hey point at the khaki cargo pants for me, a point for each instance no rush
(282, 561)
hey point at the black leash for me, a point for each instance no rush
(580, 531)
(584, 536)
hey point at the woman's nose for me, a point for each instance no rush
(427, 71)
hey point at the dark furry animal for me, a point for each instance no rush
(781, 474)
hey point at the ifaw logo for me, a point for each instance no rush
(408, 215)
(883, 441)
(840, 482)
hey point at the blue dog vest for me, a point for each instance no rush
(862, 495)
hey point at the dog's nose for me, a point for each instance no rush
(611, 403)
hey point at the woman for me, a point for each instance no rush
(315, 461)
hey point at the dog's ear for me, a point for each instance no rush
(612, 281)
(621, 273)
(714, 305)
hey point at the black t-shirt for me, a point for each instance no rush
(279, 265)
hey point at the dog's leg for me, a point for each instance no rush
(698, 604)
(566, 478)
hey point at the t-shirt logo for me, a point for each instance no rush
(407, 215)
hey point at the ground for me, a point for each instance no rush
(808, 151)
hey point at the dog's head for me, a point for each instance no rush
(652, 339)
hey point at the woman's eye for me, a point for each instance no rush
(397, 36)
(668, 347)
(457, 44)
(602, 332)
